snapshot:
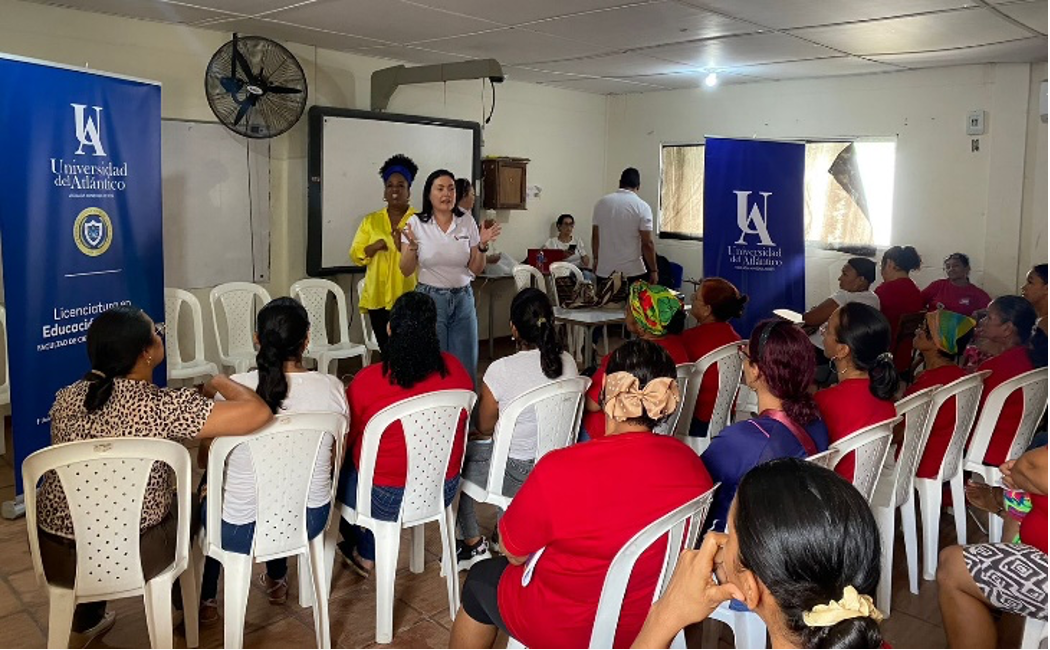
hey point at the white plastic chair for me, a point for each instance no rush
(5, 386)
(894, 492)
(967, 393)
(577, 333)
(526, 275)
(430, 423)
(284, 454)
(237, 300)
(728, 363)
(675, 424)
(681, 526)
(93, 473)
(1033, 386)
(178, 368)
(869, 446)
(371, 344)
(1034, 635)
(313, 294)
(559, 408)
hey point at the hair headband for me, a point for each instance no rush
(397, 169)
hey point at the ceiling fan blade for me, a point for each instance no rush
(231, 85)
(242, 111)
(283, 90)
(243, 63)
(233, 59)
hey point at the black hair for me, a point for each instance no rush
(807, 534)
(724, 299)
(533, 317)
(563, 217)
(676, 325)
(413, 351)
(1020, 313)
(867, 333)
(115, 341)
(1040, 270)
(282, 327)
(463, 186)
(426, 213)
(400, 160)
(963, 258)
(646, 361)
(864, 267)
(905, 257)
(630, 179)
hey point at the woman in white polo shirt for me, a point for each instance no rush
(445, 245)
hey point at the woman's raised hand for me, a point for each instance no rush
(490, 230)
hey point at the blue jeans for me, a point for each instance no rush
(386, 505)
(457, 323)
(698, 428)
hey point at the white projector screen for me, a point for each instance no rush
(347, 147)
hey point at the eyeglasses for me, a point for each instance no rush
(823, 329)
(160, 329)
(742, 351)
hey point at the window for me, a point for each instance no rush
(848, 191)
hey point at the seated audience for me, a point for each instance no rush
(955, 293)
(898, 296)
(539, 360)
(577, 509)
(653, 313)
(778, 366)
(858, 274)
(715, 303)
(974, 581)
(1034, 291)
(802, 552)
(1006, 336)
(857, 341)
(117, 398)
(282, 333)
(413, 365)
(567, 241)
(937, 339)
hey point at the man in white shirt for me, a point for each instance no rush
(622, 232)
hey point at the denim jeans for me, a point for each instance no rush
(457, 323)
(478, 459)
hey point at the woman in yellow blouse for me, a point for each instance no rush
(374, 248)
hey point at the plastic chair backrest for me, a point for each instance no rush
(681, 527)
(173, 301)
(967, 393)
(728, 362)
(313, 294)
(284, 454)
(1033, 386)
(915, 409)
(824, 459)
(430, 423)
(525, 275)
(870, 446)
(676, 424)
(104, 481)
(563, 269)
(366, 323)
(5, 385)
(238, 308)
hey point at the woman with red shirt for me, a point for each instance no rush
(857, 342)
(715, 303)
(413, 364)
(938, 341)
(577, 509)
(898, 296)
(1006, 334)
(956, 293)
(653, 313)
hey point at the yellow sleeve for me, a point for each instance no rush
(362, 238)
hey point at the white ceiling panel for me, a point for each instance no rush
(515, 46)
(393, 21)
(537, 75)
(168, 12)
(615, 65)
(734, 51)
(786, 14)
(410, 55)
(937, 31)
(282, 32)
(245, 7)
(604, 86)
(641, 25)
(693, 79)
(516, 12)
(843, 65)
(1032, 14)
(1021, 51)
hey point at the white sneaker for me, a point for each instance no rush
(468, 556)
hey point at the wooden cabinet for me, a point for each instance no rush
(503, 183)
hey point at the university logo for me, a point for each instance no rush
(88, 129)
(93, 232)
(753, 222)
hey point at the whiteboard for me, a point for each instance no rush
(348, 147)
(216, 205)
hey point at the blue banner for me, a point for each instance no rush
(80, 222)
(753, 223)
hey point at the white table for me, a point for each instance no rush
(589, 319)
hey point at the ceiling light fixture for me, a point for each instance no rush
(711, 80)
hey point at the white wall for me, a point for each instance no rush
(1033, 200)
(562, 132)
(946, 197)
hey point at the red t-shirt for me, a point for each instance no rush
(699, 341)
(1034, 524)
(898, 298)
(944, 425)
(581, 504)
(847, 408)
(371, 392)
(942, 294)
(594, 421)
(1006, 366)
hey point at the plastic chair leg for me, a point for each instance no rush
(60, 616)
(1034, 633)
(911, 544)
(331, 538)
(930, 507)
(884, 592)
(415, 562)
(448, 556)
(699, 445)
(995, 528)
(388, 542)
(319, 586)
(190, 605)
(306, 593)
(157, 596)
(958, 508)
(237, 571)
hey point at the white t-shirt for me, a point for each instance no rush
(308, 392)
(577, 257)
(841, 297)
(443, 256)
(511, 376)
(619, 217)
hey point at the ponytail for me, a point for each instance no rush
(550, 350)
(867, 333)
(115, 341)
(883, 380)
(533, 318)
(859, 632)
(282, 327)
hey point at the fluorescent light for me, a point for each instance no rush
(711, 80)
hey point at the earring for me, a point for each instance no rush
(149, 359)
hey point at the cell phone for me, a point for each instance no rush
(572, 248)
